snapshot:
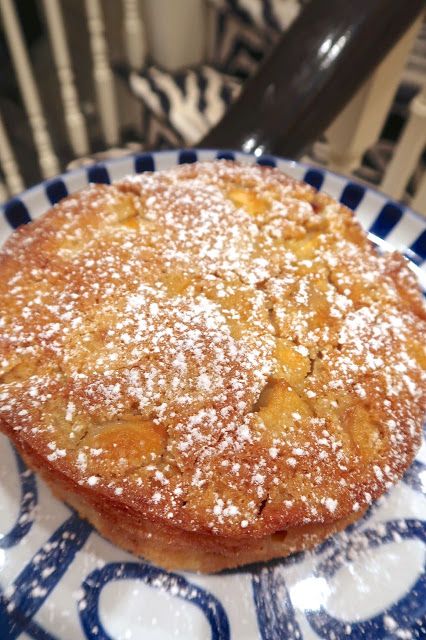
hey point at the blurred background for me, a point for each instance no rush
(81, 80)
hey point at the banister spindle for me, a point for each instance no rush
(133, 33)
(73, 116)
(8, 163)
(3, 192)
(419, 201)
(48, 162)
(104, 81)
(408, 149)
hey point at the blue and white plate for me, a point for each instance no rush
(60, 580)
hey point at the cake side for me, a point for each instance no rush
(175, 548)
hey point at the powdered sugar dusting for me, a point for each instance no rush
(217, 339)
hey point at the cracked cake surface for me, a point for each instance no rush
(211, 363)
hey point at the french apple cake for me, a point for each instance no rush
(212, 363)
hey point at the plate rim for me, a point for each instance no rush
(256, 160)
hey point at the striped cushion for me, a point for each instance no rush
(184, 105)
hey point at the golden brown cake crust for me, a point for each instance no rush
(217, 354)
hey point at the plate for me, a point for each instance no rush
(60, 580)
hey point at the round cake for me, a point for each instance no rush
(212, 364)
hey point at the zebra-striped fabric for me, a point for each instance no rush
(181, 107)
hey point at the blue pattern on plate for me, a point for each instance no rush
(225, 155)
(266, 161)
(352, 195)
(409, 612)
(415, 476)
(275, 615)
(173, 584)
(187, 156)
(34, 584)
(419, 246)
(314, 177)
(32, 629)
(27, 503)
(56, 190)
(98, 173)
(16, 213)
(277, 618)
(387, 219)
(144, 162)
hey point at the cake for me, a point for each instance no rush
(211, 363)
